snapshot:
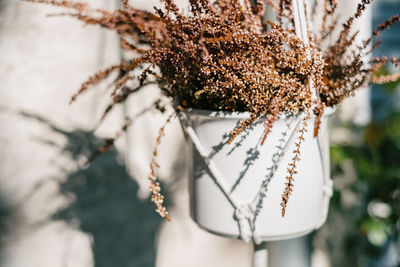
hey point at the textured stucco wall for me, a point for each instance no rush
(55, 212)
(42, 61)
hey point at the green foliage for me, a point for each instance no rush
(375, 160)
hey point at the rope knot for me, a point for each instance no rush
(244, 214)
(328, 188)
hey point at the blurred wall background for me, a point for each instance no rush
(54, 211)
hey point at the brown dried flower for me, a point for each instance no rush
(223, 55)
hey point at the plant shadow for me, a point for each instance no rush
(105, 203)
(5, 215)
(286, 136)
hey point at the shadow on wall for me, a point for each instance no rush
(106, 204)
(5, 214)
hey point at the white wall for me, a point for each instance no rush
(43, 61)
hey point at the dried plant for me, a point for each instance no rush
(155, 188)
(223, 55)
(293, 165)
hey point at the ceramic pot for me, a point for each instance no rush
(244, 166)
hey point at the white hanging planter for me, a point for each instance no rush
(227, 182)
(236, 190)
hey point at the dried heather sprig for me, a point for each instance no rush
(93, 80)
(268, 123)
(395, 61)
(156, 197)
(381, 60)
(386, 25)
(292, 170)
(385, 78)
(330, 7)
(243, 125)
(318, 112)
(342, 44)
(269, 120)
(78, 6)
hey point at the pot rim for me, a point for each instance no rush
(238, 114)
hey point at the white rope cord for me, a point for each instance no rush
(300, 22)
(243, 213)
(208, 161)
(301, 30)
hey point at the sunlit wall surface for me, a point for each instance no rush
(55, 211)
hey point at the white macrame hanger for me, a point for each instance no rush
(301, 28)
(300, 22)
(245, 213)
